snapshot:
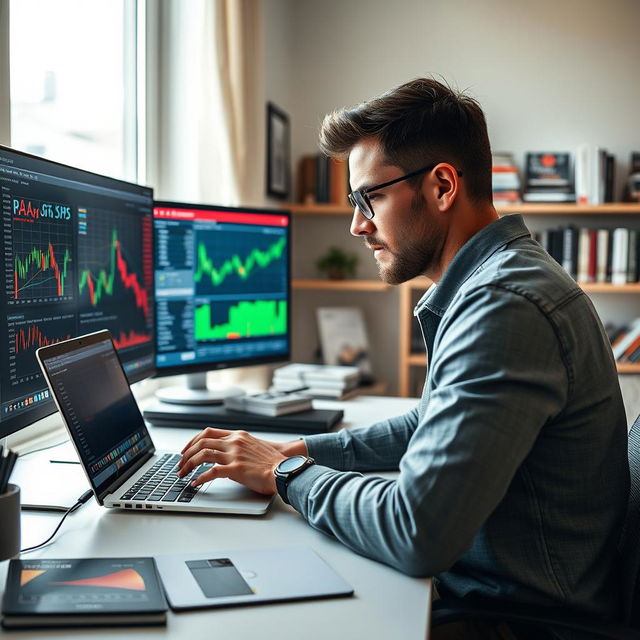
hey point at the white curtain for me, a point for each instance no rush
(206, 105)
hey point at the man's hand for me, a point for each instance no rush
(237, 455)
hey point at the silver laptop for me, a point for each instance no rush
(115, 449)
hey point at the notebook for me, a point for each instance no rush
(82, 592)
(114, 446)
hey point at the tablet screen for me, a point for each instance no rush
(218, 578)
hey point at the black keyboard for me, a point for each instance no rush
(161, 482)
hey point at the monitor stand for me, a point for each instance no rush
(196, 391)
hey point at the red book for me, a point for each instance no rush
(592, 269)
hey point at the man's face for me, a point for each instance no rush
(406, 238)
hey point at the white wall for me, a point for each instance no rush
(550, 75)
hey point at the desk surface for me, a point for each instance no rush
(386, 604)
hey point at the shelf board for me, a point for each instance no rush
(550, 208)
(340, 285)
(628, 367)
(422, 283)
(320, 209)
(417, 360)
(607, 287)
(526, 208)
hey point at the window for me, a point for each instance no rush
(73, 82)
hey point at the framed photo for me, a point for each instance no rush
(278, 152)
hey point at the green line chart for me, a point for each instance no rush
(231, 263)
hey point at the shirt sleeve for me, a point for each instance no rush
(497, 376)
(378, 447)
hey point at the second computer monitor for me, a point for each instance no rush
(222, 287)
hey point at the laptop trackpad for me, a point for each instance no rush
(224, 492)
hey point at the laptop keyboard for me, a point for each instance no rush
(161, 482)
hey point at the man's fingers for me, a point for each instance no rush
(209, 432)
(219, 471)
(206, 455)
(202, 445)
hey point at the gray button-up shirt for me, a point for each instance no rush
(513, 476)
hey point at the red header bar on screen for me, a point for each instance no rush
(212, 215)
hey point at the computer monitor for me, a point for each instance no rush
(77, 256)
(222, 292)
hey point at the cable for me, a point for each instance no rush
(81, 500)
(51, 446)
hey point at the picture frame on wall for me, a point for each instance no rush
(278, 152)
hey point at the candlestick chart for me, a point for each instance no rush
(115, 279)
(39, 259)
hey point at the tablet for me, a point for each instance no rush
(241, 577)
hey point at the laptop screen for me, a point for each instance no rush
(93, 395)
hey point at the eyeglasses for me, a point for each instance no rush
(360, 198)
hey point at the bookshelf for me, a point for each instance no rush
(341, 285)
(409, 360)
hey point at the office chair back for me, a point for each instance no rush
(630, 541)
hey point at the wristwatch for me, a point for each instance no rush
(288, 469)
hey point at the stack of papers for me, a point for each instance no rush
(270, 403)
(322, 381)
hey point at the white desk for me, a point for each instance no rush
(386, 604)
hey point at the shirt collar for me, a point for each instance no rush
(477, 250)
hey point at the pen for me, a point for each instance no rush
(64, 462)
(6, 467)
(290, 390)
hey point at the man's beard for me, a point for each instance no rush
(416, 252)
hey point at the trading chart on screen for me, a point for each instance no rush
(77, 257)
(222, 284)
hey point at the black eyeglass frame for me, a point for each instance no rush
(360, 199)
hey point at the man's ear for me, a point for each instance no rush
(442, 185)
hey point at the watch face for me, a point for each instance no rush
(291, 464)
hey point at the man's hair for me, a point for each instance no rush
(418, 123)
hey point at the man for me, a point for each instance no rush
(513, 475)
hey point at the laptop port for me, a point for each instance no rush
(128, 506)
(148, 506)
(116, 505)
(138, 506)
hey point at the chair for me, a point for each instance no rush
(452, 610)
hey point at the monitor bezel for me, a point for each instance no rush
(200, 367)
(23, 420)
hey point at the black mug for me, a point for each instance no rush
(10, 518)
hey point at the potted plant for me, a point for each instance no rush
(337, 264)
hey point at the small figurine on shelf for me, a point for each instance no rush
(338, 264)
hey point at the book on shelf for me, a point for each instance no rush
(624, 337)
(632, 187)
(548, 177)
(83, 592)
(322, 180)
(271, 403)
(595, 255)
(594, 175)
(505, 179)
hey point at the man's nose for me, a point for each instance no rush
(361, 226)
